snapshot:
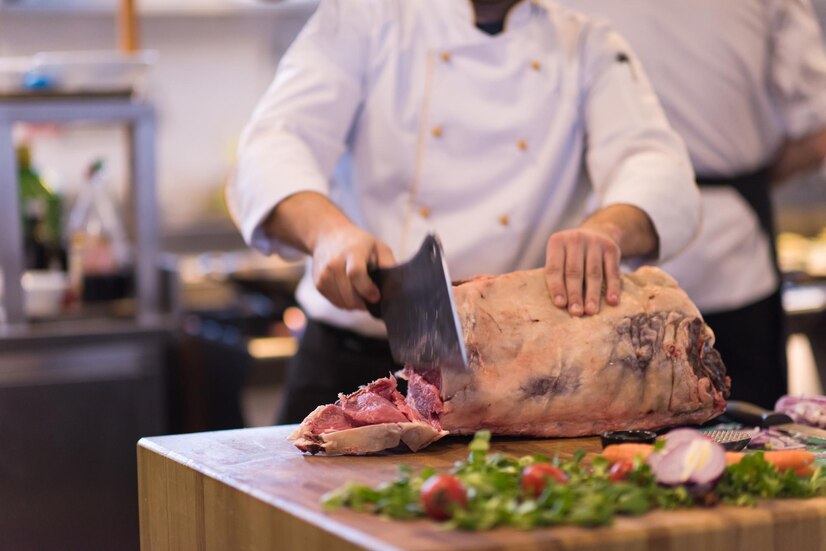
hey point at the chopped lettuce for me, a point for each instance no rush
(754, 477)
(588, 498)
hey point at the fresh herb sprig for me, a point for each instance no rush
(588, 498)
(755, 478)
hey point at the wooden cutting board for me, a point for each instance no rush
(251, 490)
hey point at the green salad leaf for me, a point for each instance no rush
(754, 477)
(589, 497)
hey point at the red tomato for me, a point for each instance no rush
(535, 477)
(619, 471)
(441, 494)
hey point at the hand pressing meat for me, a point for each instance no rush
(534, 370)
(581, 261)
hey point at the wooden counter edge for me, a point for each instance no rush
(186, 505)
(183, 505)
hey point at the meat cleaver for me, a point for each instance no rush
(755, 416)
(418, 308)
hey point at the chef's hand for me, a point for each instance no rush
(341, 251)
(340, 260)
(578, 262)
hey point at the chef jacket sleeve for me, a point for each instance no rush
(299, 129)
(633, 156)
(798, 67)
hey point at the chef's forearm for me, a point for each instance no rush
(300, 219)
(629, 226)
(800, 155)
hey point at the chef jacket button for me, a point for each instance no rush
(536, 65)
(424, 212)
(522, 144)
(437, 132)
(504, 220)
(445, 56)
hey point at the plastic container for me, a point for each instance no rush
(93, 70)
(44, 293)
(13, 72)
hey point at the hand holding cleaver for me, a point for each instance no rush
(418, 309)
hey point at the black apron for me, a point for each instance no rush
(755, 189)
(330, 360)
(752, 339)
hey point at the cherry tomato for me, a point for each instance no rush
(535, 477)
(441, 494)
(619, 471)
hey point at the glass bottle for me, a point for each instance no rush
(40, 210)
(100, 263)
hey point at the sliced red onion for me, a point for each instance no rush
(689, 459)
(677, 436)
(808, 410)
(773, 439)
(673, 439)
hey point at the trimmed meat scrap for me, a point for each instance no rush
(374, 418)
(534, 370)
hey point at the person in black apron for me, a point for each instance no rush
(758, 365)
(741, 82)
(539, 112)
(331, 359)
(357, 359)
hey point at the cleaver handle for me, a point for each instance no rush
(754, 416)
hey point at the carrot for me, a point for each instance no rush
(732, 458)
(799, 461)
(626, 452)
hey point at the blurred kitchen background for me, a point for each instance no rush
(172, 326)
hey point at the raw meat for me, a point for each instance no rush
(536, 371)
(374, 418)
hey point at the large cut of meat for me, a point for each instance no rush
(534, 370)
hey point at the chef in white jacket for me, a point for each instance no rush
(389, 119)
(744, 83)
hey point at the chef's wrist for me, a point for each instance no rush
(629, 227)
(304, 219)
(327, 226)
(607, 229)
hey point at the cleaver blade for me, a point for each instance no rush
(418, 308)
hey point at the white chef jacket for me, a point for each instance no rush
(736, 78)
(412, 120)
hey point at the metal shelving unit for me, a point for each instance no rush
(77, 393)
(139, 116)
